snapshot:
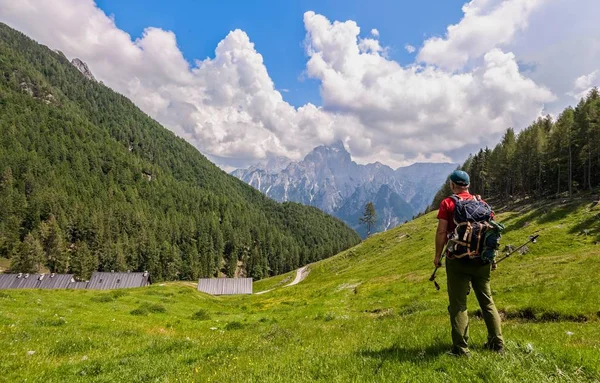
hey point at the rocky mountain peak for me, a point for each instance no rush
(330, 180)
(83, 68)
(336, 151)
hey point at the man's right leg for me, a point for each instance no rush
(458, 288)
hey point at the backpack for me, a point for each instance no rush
(476, 234)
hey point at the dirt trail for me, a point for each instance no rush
(301, 273)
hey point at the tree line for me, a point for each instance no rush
(89, 182)
(550, 157)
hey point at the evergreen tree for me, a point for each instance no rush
(28, 257)
(57, 257)
(83, 261)
(369, 217)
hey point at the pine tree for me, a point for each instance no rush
(83, 261)
(369, 217)
(57, 257)
(28, 257)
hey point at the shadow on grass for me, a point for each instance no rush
(407, 354)
(550, 212)
(589, 227)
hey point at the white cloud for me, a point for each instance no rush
(409, 48)
(465, 91)
(560, 44)
(584, 84)
(486, 24)
(586, 81)
(416, 109)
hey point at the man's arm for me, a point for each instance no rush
(440, 240)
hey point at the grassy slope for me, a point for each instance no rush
(368, 314)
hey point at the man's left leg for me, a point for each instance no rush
(481, 285)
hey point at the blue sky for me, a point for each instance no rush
(277, 30)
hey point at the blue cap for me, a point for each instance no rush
(460, 178)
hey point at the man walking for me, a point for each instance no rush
(461, 271)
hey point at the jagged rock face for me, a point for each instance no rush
(328, 179)
(83, 68)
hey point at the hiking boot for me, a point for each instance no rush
(459, 353)
(497, 348)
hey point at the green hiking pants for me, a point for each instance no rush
(459, 273)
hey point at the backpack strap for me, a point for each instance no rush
(455, 198)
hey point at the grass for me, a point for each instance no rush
(368, 314)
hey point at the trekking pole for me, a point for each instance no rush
(532, 239)
(432, 278)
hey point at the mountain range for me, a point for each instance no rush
(330, 180)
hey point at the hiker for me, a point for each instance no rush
(462, 270)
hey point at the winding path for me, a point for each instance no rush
(301, 273)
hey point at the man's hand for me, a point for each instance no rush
(437, 261)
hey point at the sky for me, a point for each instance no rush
(397, 81)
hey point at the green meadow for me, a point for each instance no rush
(368, 314)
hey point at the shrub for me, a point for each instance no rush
(157, 309)
(201, 315)
(119, 293)
(234, 326)
(140, 311)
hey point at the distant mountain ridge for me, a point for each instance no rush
(330, 180)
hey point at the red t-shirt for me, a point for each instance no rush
(447, 209)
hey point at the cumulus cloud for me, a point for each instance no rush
(409, 48)
(586, 81)
(464, 91)
(486, 24)
(556, 56)
(584, 84)
(416, 109)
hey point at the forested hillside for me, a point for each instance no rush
(547, 158)
(89, 182)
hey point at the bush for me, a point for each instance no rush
(234, 326)
(201, 315)
(157, 309)
(140, 311)
(119, 293)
